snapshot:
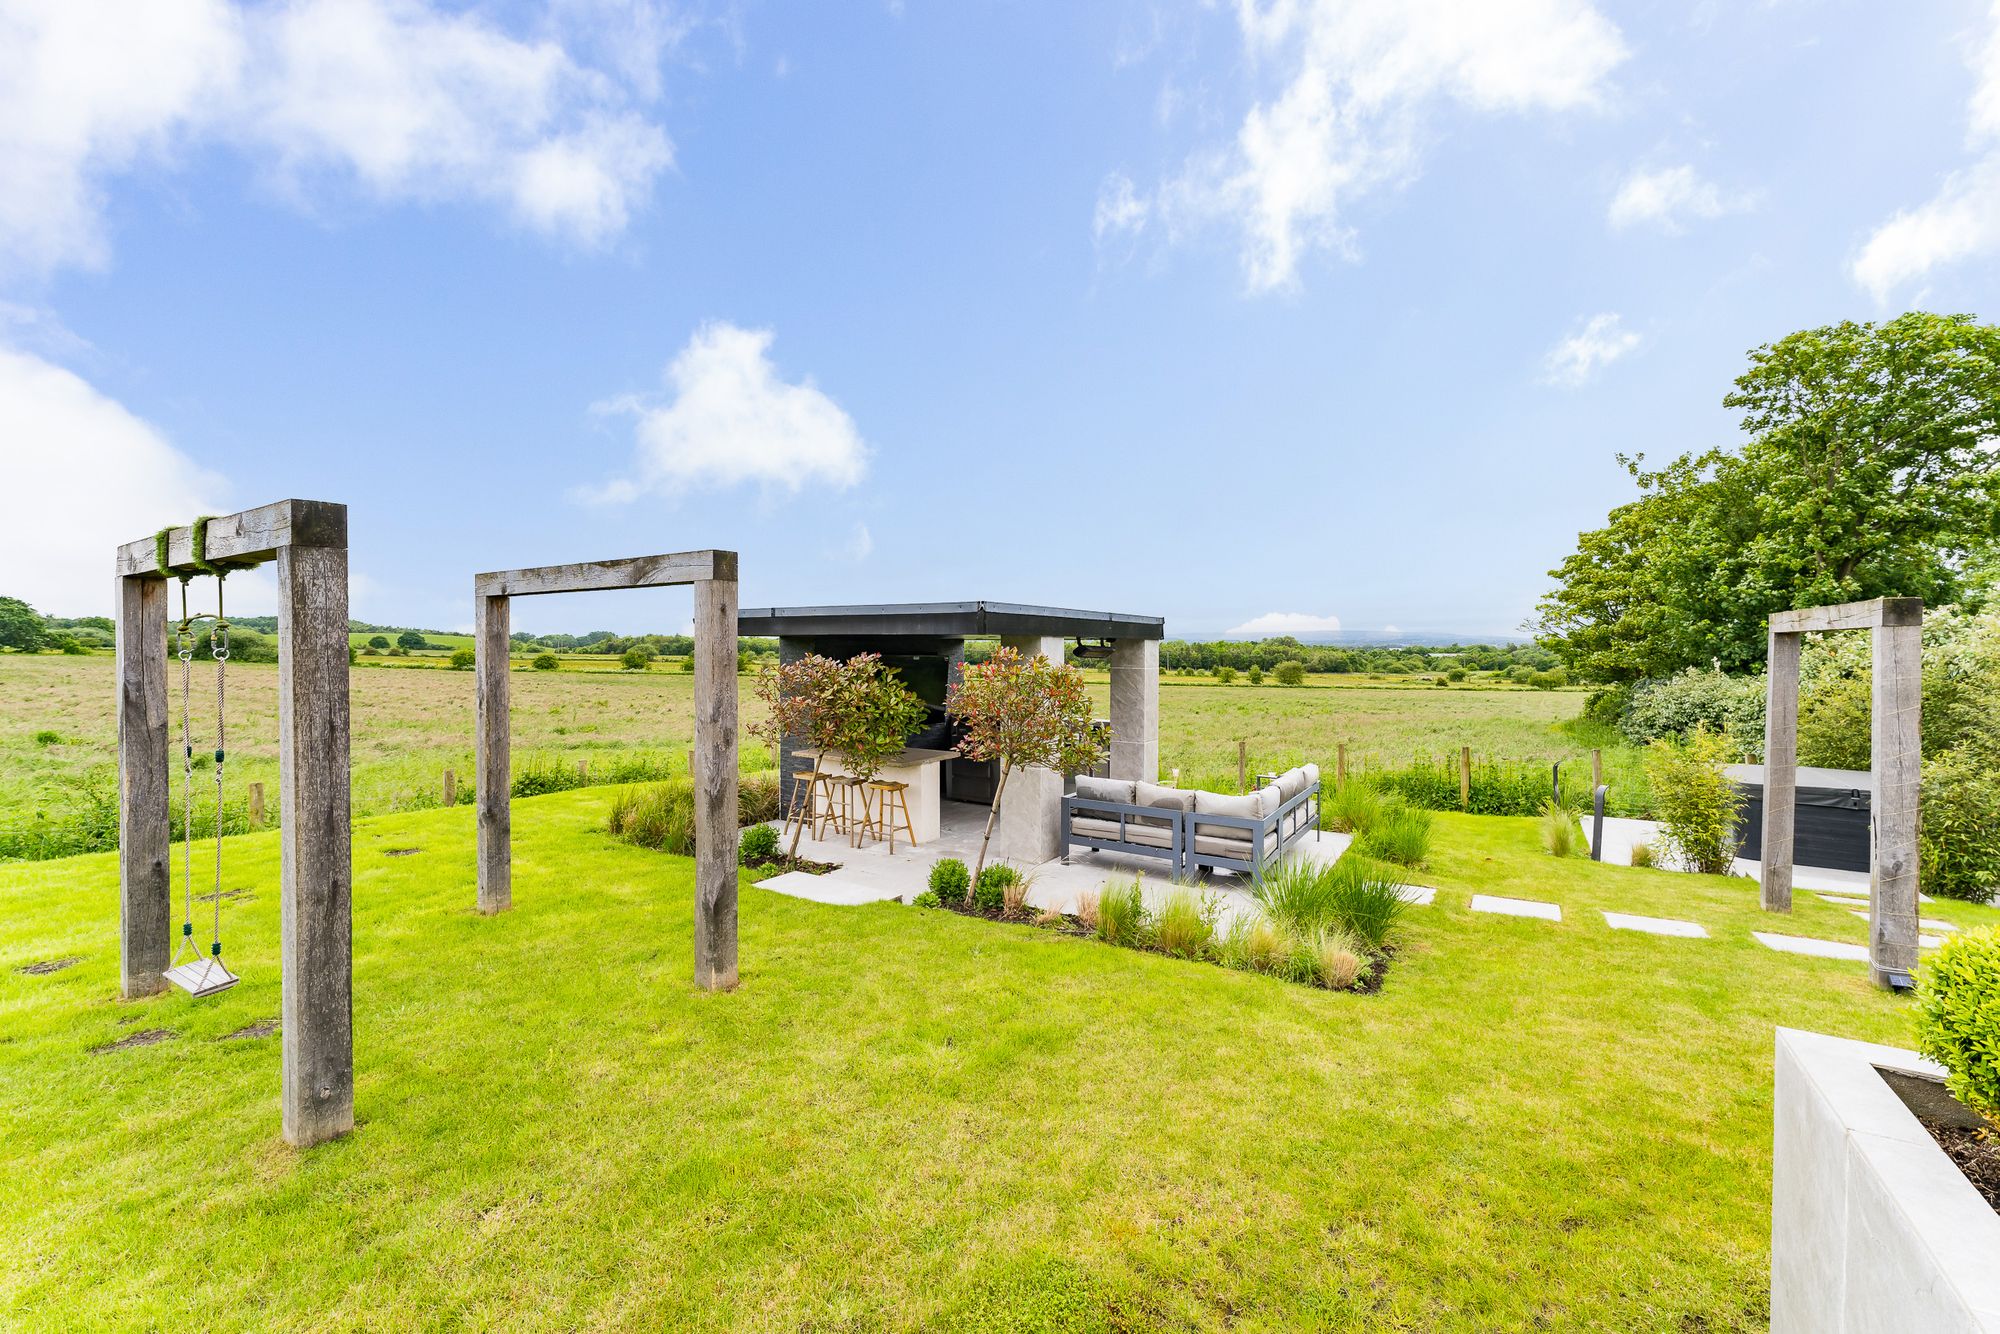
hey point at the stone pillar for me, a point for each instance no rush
(1135, 709)
(1029, 830)
(1898, 704)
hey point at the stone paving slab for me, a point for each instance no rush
(1924, 923)
(1844, 900)
(1516, 907)
(1421, 895)
(833, 887)
(1819, 949)
(1657, 926)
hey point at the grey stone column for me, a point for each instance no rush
(1029, 830)
(1135, 709)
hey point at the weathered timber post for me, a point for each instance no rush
(1896, 626)
(145, 830)
(1242, 765)
(492, 770)
(1465, 778)
(1340, 766)
(256, 805)
(450, 793)
(1596, 769)
(715, 777)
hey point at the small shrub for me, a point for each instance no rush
(1455, 675)
(462, 659)
(1226, 675)
(927, 899)
(759, 844)
(1958, 1017)
(634, 660)
(1353, 896)
(1121, 913)
(1256, 676)
(1014, 892)
(546, 662)
(1674, 706)
(1290, 672)
(687, 663)
(1697, 804)
(1185, 925)
(1958, 839)
(989, 893)
(1561, 835)
(1551, 680)
(48, 737)
(1644, 855)
(1350, 808)
(1400, 833)
(949, 880)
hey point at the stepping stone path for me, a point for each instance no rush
(1819, 949)
(1516, 907)
(1657, 926)
(1927, 923)
(829, 888)
(1421, 895)
(1844, 900)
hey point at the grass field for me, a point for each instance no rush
(413, 718)
(905, 1119)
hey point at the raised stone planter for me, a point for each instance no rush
(1872, 1226)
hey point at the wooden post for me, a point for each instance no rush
(1340, 766)
(317, 858)
(493, 772)
(1897, 749)
(1781, 741)
(256, 805)
(1242, 766)
(715, 777)
(1596, 769)
(450, 788)
(145, 829)
(1465, 778)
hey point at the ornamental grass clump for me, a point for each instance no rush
(1359, 899)
(1185, 924)
(1400, 834)
(658, 816)
(1121, 913)
(1352, 807)
(1958, 1018)
(1561, 835)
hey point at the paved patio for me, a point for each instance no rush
(872, 873)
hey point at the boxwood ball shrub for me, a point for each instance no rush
(927, 899)
(758, 844)
(990, 894)
(949, 880)
(1958, 1017)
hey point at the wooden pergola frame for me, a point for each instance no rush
(1896, 627)
(713, 574)
(308, 540)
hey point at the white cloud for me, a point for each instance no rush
(405, 99)
(1667, 197)
(1357, 84)
(1119, 207)
(1601, 340)
(860, 544)
(82, 475)
(1963, 218)
(1288, 623)
(730, 419)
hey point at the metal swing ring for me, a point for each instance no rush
(218, 641)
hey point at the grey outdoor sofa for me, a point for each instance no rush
(1190, 829)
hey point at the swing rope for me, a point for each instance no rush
(218, 644)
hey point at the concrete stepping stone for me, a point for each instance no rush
(1819, 949)
(832, 887)
(1844, 900)
(1516, 907)
(1421, 895)
(1925, 923)
(1655, 926)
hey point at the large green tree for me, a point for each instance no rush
(21, 626)
(1869, 471)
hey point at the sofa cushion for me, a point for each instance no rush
(1236, 849)
(1249, 806)
(1152, 836)
(1311, 771)
(1117, 790)
(1171, 799)
(1291, 783)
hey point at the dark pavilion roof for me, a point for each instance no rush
(947, 620)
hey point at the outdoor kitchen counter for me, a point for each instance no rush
(921, 770)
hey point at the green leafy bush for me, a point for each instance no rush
(1290, 672)
(1958, 834)
(1226, 675)
(759, 844)
(1401, 833)
(1121, 913)
(410, 639)
(1697, 804)
(1455, 675)
(462, 659)
(1550, 680)
(1958, 1017)
(1256, 675)
(546, 662)
(950, 879)
(48, 737)
(927, 899)
(634, 660)
(1673, 707)
(989, 892)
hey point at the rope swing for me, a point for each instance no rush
(190, 970)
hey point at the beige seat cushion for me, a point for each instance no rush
(1116, 790)
(1152, 836)
(1235, 848)
(1175, 799)
(1291, 783)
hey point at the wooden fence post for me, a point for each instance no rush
(256, 805)
(1465, 778)
(450, 788)
(1242, 765)
(1340, 766)
(583, 770)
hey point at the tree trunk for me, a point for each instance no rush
(999, 791)
(812, 795)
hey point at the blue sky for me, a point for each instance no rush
(1275, 316)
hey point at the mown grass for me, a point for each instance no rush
(905, 1119)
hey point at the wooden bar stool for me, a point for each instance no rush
(892, 798)
(806, 810)
(853, 823)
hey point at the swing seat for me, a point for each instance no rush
(201, 977)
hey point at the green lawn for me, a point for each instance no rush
(905, 1119)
